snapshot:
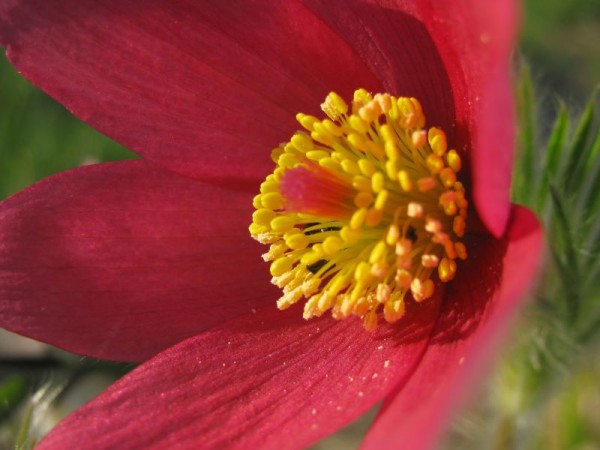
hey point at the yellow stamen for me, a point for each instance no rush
(364, 210)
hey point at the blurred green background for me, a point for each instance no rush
(560, 40)
(38, 137)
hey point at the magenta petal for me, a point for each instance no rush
(476, 313)
(268, 380)
(120, 261)
(456, 59)
(398, 48)
(492, 163)
(475, 40)
(204, 88)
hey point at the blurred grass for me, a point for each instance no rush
(39, 137)
(560, 39)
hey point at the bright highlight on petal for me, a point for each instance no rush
(362, 208)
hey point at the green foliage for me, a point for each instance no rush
(560, 40)
(561, 185)
(33, 413)
(560, 181)
(524, 170)
(12, 391)
(38, 137)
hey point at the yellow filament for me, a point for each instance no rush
(389, 217)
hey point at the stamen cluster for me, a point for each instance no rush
(363, 208)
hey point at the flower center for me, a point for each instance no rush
(362, 209)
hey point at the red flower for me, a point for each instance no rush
(123, 260)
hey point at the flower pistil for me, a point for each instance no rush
(362, 208)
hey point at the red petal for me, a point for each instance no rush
(185, 80)
(492, 163)
(477, 309)
(398, 48)
(457, 62)
(269, 380)
(120, 261)
(206, 89)
(475, 40)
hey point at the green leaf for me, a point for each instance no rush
(577, 157)
(12, 391)
(588, 201)
(563, 245)
(23, 441)
(554, 151)
(525, 174)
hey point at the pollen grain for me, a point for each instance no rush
(364, 207)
